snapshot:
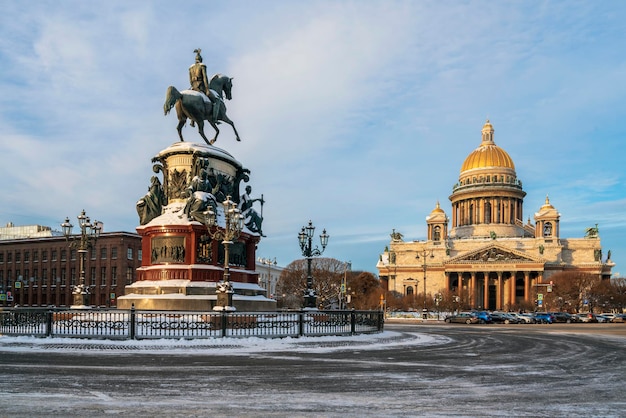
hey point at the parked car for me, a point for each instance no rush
(602, 319)
(543, 318)
(503, 318)
(608, 315)
(483, 317)
(619, 318)
(525, 318)
(463, 318)
(563, 317)
(587, 317)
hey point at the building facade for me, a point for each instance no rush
(42, 270)
(485, 255)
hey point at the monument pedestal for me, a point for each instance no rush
(181, 262)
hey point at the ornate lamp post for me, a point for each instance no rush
(305, 237)
(424, 256)
(233, 224)
(89, 233)
(268, 262)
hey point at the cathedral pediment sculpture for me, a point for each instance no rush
(491, 255)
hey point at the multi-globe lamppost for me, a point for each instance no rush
(233, 224)
(305, 237)
(268, 284)
(425, 254)
(89, 233)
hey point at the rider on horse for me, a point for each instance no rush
(199, 82)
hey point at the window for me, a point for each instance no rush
(129, 253)
(9, 257)
(53, 277)
(72, 254)
(63, 277)
(114, 253)
(35, 255)
(93, 254)
(437, 233)
(103, 275)
(103, 253)
(92, 275)
(53, 255)
(44, 277)
(18, 256)
(26, 256)
(73, 276)
(44, 255)
(63, 255)
(129, 275)
(113, 276)
(1, 257)
(139, 255)
(547, 229)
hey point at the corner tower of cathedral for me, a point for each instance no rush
(488, 199)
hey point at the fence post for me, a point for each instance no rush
(301, 323)
(352, 322)
(49, 323)
(132, 321)
(224, 322)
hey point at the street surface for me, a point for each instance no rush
(412, 369)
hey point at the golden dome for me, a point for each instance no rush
(437, 209)
(488, 154)
(547, 205)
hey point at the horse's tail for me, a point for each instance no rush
(171, 97)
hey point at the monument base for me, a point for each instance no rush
(186, 295)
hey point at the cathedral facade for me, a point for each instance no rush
(484, 254)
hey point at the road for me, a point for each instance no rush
(412, 369)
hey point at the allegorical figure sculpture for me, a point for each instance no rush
(252, 219)
(151, 205)
(200, 198)
(192, 104)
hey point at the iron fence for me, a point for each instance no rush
(139, 324)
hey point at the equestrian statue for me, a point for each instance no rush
(203, 101)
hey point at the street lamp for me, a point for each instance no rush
(425, 254)
(305, 237)
(89, 233)
(268, 262)
(233, 224)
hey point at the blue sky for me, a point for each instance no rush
(356, 115)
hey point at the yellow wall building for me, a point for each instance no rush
(485, 253)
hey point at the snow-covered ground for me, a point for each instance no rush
(411, 369)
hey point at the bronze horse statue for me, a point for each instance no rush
(192, 105)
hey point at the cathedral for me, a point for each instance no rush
(485, 255)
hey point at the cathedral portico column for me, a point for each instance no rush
(512, 288)
(499, 292)
(485, 290)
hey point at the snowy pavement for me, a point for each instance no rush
(409, 370)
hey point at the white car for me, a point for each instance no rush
(524, 318)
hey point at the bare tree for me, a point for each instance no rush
(327, 274)
(571, 290)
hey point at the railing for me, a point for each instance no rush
(136, 324)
